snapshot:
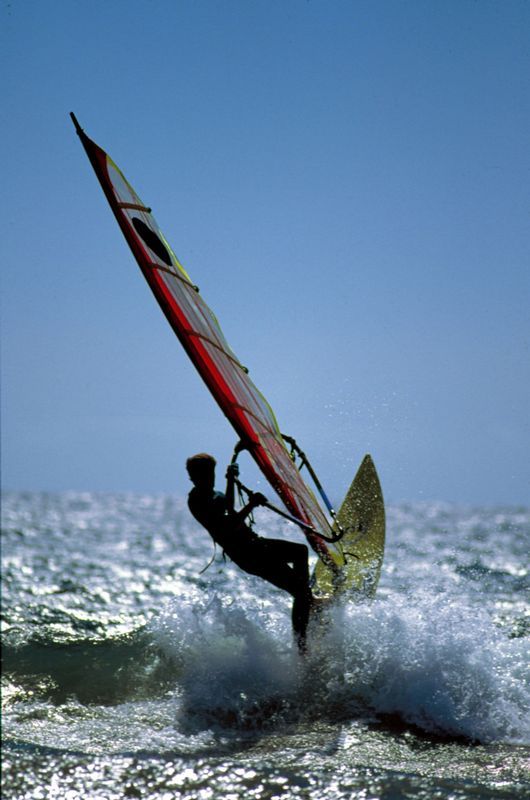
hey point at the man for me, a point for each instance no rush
(284, 564)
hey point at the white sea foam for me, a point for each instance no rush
(232, 661)
(433, 662)
(440, 665)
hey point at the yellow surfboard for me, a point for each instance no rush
(362, 518)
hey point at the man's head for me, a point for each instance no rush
(201, 469)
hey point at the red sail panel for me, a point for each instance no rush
(200, 334)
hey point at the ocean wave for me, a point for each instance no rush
(93, 671)
(434, 663)
(440, 665)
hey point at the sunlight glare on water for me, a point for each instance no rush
(128, 673)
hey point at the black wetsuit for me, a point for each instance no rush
(269, 559)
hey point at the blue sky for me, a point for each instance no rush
(348, 184)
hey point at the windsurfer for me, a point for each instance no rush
(284, 564)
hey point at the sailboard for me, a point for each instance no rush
(198, 330)
(361, 517)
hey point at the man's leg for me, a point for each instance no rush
(278, 550)
(273, 566)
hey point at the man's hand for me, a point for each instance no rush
(232, 471)
(257, 499)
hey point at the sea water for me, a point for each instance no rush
(129, 672)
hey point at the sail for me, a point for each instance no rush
(200, 334)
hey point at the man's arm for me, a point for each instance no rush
(256, 498)
(232, 472)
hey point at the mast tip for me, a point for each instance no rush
(78, 127)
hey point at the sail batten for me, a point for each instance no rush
(135, 207)
(198, 330)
